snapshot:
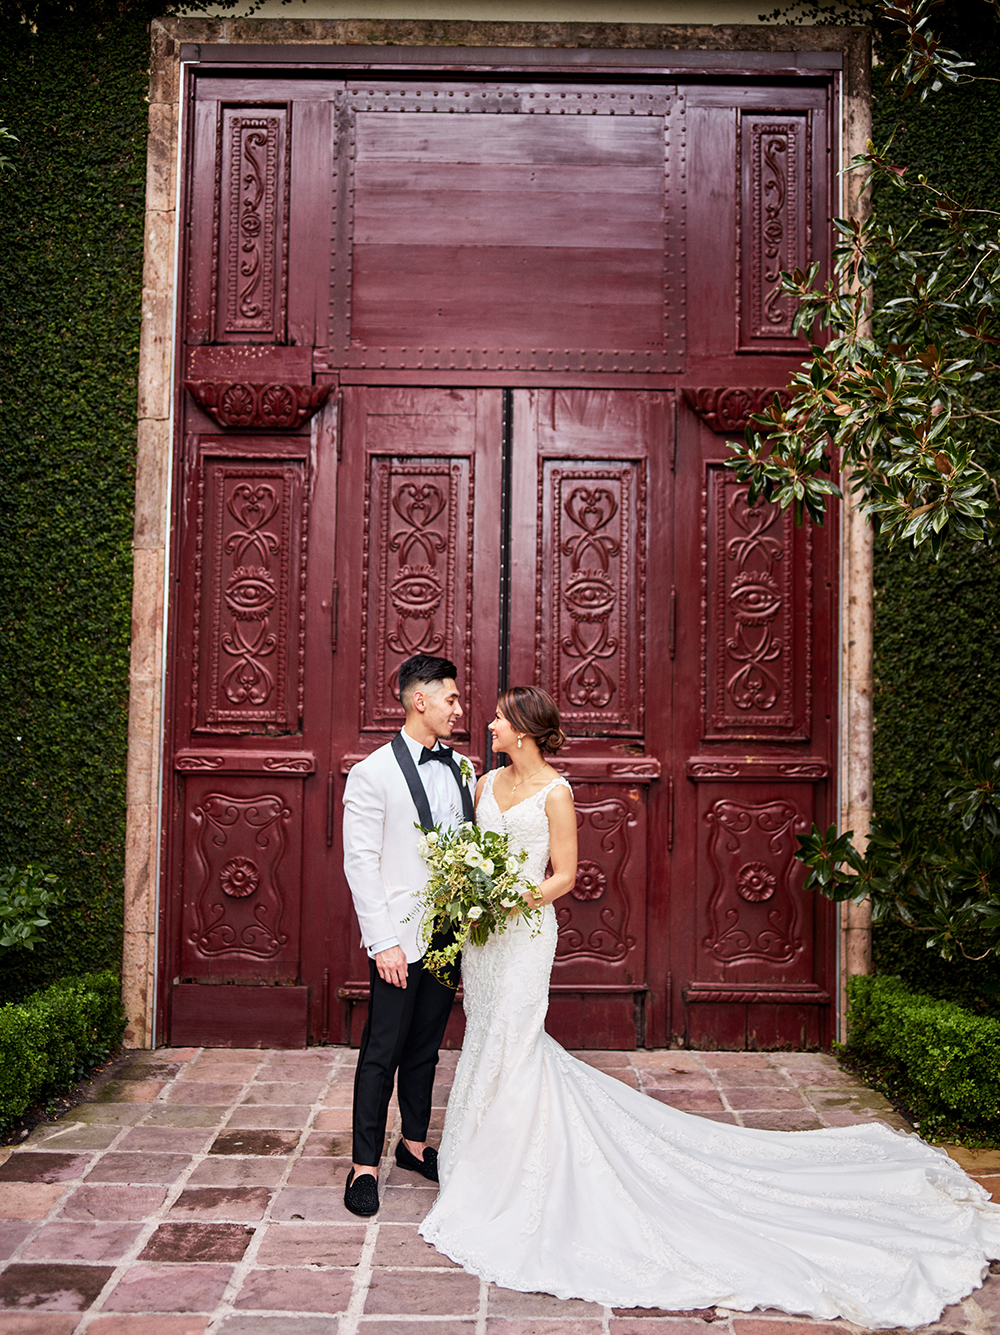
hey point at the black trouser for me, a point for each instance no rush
(403, 1031)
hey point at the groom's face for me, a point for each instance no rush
(442, 707)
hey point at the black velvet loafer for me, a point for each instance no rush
(361, 1194)
(426, 1167)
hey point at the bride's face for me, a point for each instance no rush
(504, 735)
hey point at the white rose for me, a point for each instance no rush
(508, 903)
(475, 912)
(473, 857)
(512, 866)
(432, 836)
(487, 866)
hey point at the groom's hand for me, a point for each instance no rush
(391, 965)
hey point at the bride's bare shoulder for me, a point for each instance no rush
(559, 797)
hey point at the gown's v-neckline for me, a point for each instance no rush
(492, 785)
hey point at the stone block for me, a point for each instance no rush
(53, 1287)
(28, 1200)
(297, 1290)
(148, 1287)
(112, 1202)
(179, 1242)
(80, 1241)
(312, 1244)
(238, 1204)
(39, 1166)
(416, 1292)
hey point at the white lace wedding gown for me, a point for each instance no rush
(556, 1178)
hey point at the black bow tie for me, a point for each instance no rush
(442, 753)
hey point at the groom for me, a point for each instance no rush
(412, 779)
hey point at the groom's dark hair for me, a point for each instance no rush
(422, 670)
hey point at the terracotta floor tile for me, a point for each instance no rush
(176, 1054)
(133, 1167)
(296, 1070)
(688, 1100)
(110, 1114)
(28, 1200)
(175, 1114)
(782, 1121)
(848, 1117)
(244, 1142)
(112, 1202)
(52, 1287)
(718, 1061)
(69, 1136)
(82, 1241)
(400, 1326)
(728, 1119)
(763, 1097)
(165, 1140)
(448, 1292)
(197, 1242)
(661, 1079)
(666, 1057)
(130, 1091)
(296, 1290)
(312, 1244)
(597, 1057)
(333, 1119)
(255, 1055)
(39, 1323)
(311, 1204)
(149, 1287)
(242, 1324)
(204, 1094)
(507, 1302)
(734, 1077)
(702, 1314)
(314, 1172)
(42, 1166)
(12, 1233)
(406, 1205)
(285, 1093)
(327, 1144)
(339, 1096)
(402, 1245)
(269, 1117)
(222, 1171)
(216, 1074)
(506, 1325)
(135, 1324)
(821, 1077)
(139, 1070)
(763, 1326)
(238, 1204)
(657, 1326)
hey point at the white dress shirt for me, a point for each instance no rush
(443, 797)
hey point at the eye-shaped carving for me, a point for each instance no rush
(755, 598)
(589, 596)
(416, 593)
(250, 593)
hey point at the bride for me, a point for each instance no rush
(557, 1178)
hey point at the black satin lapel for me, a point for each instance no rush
(468, 807)
(405, 762)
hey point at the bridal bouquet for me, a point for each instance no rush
(475, 881)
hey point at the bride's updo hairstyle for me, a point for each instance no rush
(531, 710)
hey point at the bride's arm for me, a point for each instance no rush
(562, 847)
(479, 792)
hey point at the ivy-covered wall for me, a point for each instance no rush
(937, 626)
(70, 271)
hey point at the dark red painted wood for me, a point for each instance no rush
(409, 247)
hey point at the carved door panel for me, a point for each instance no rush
(417, 572)
(589, 495)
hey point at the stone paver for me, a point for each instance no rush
(201, 1193)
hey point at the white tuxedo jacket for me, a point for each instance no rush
(383, 867)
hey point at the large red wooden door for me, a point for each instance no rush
(459, 359)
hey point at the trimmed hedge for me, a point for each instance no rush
(53, 1038)
(943, 1061)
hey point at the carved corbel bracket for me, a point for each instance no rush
(270, 405)
(731, 409)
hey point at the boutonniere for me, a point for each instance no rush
(468, 773)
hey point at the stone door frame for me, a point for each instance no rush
(175, 44)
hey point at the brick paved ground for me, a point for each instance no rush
(201, 1193)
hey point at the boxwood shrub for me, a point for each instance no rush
(53, 1038)
(940, 1059)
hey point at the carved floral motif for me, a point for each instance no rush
(239, 877)
(730, 409)
(258, 405)
(591, 881)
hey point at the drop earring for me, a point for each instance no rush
(519, 740)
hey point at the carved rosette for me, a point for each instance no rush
(258, 405)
